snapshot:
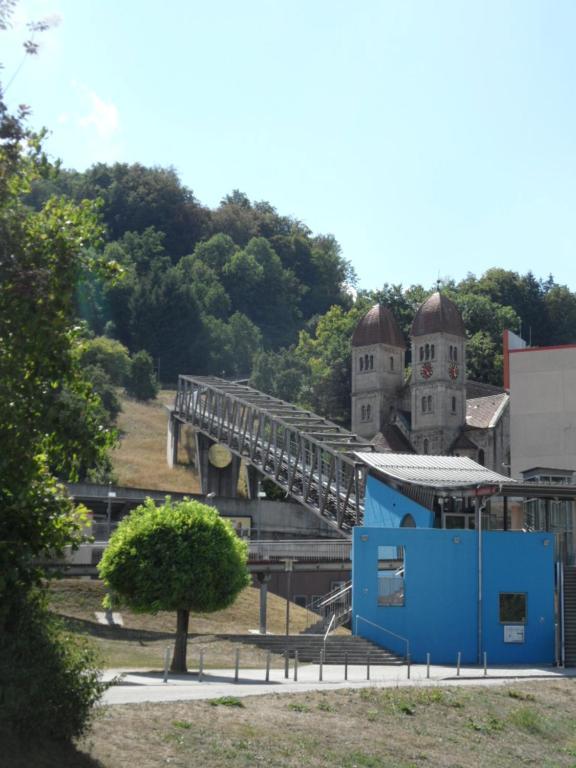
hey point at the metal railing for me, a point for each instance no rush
(336, 604)
(310, 458)
(330, 626)
(311, 550)
(405, 640)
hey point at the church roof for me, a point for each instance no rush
(485, 412)
(392, 440)
(463, 443)
(378, 326)
(438, 314)
(481, 389)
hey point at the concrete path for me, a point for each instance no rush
(138, 687)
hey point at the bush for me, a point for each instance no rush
(141, 382)
(102, 386)
(108, 354)
(48, 679)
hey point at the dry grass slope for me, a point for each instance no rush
(140, 459)
(141, 642)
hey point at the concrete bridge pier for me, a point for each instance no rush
(218, 467)
(253, 478)
(263, 578)
(172, 440)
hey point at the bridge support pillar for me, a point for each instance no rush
(218, 467)
(172, 440)
(263, 579)
(253, 477)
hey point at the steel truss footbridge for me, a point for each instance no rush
(310, 458)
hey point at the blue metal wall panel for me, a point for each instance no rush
(385, 508)
(440, 614)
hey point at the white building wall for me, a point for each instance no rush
(543, 408)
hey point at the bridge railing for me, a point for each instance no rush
(310, 550)
(311, 458)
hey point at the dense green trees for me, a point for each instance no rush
(52, 426)
(199, 282)
(176, 557)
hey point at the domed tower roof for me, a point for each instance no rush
(438, 314)
(378, 326)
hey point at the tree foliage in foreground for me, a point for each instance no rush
(43, 680)
(176, 557)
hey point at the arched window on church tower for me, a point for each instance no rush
(371, 362)
(366, 361)
(451, 352)
(455, 353)
(363, 413)
(425, 446)
(421, 354)
(391, 363)
(481, 456)
(423, 405)
(361, 363)
(432, 351)
(368, 412)
(427, 351)
(453, 405)
(429, 402)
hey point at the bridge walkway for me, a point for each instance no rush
(310, 458)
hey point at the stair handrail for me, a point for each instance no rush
(388, 631)
(332, 620)
(332, 596)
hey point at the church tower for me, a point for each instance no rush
(378, 349)
(438, 388)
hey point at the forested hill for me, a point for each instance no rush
(242, 288)
(203, 290)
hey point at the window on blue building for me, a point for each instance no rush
(391, 575)
(513, 607)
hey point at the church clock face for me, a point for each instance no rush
(426, 370)
(453, 371)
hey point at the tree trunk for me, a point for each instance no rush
(179, 658)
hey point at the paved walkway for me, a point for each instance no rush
(139, 687)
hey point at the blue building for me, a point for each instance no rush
(422, 589)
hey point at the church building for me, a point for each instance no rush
(437, 410)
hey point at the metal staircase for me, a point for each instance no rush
(570, 616)
(334, 610)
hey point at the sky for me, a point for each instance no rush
(432, 138)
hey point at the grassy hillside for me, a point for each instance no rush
(141, 642)
(140, 459)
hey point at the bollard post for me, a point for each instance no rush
(268, 666)
(459, 659)
(201, 666)
(286, 664)
(237, 665)
(320, 670)
(296, 666)
(345, 665)
(368, 666)
(408, 666)
(485, 663)
(166, 662)
(428, 666)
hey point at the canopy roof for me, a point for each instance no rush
(438, 472)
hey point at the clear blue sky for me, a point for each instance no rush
(430, 137)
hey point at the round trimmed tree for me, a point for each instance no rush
(181, 556)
